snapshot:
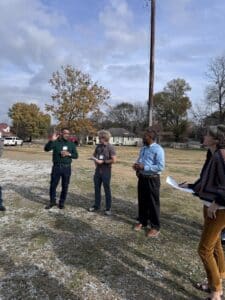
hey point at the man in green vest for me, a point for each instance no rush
(63, 153)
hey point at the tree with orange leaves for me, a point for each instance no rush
(75, 99)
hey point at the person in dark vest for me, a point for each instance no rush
(104, 156)
(210, 188)
(63, 153)
(149, 165)
(2, 208)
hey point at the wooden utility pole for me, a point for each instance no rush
(152, 63)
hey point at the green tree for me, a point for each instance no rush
(28, 121)
(75, 99)
(171, 106)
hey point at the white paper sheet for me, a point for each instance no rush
(175, 185)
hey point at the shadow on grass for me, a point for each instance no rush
(108, 258)
(123, 210)
(29, 282)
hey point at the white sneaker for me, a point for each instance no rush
(108, 212)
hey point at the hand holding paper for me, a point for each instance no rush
(175, 185)
(183, 184)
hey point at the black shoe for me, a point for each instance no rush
(61, 206)
(2, 208)
(50, 205)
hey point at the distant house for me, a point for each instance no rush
(119, 137)
(4, 130)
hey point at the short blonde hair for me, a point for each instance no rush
(104, 134)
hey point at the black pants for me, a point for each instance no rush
(148, 201)
(1, 197)
(104, 178)
(63, 172)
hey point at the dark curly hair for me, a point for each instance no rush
(152, 133)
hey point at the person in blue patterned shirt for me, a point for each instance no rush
(148, 167)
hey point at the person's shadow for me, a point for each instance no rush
(123, 210)
(27, 281)
(112, 261)
(110, 258)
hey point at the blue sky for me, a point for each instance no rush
(108, 39)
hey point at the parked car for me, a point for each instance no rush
(12, 141)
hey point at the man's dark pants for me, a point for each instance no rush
(102, 177)
(148, 201)
(63, 172)
(1, 197)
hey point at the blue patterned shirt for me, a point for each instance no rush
(153, 159)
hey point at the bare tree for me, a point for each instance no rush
(215, 91)
(199, 113)
(133, 117)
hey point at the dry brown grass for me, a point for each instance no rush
(73, 254)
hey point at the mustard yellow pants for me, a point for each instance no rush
(210, 249)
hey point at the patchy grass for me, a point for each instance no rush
(74, 254)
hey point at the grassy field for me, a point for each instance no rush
(74, 254)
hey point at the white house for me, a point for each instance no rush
(119, 137)
(4, 129)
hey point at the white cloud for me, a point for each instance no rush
(34, 45)
(26, 31)
(117, 19)
(37, 39)
(30, 51)
(178, 11)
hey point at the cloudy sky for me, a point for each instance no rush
(109, 39)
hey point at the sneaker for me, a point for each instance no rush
(2, 208)
(93, 209)
(61, 206)
(108, 212)
(153, 233)
(50, 205)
